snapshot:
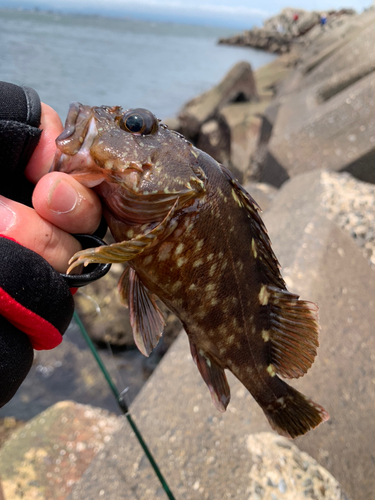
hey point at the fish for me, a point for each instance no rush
(191, 237)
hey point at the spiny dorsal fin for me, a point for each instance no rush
(261, 243)
(146, 319)
(214, 376)
(293, 333)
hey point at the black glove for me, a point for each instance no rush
(36, 304)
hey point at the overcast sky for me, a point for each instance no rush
(217, 11)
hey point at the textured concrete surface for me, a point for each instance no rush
(46, 457)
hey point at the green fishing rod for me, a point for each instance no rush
(123, 406)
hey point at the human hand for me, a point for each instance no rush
(62, 205)
(36, 305)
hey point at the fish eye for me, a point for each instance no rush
(138, 121)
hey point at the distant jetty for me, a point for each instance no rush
(281, 31)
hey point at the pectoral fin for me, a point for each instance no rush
(214, 376)
(123, 287)
(125, 250)
(146, 319)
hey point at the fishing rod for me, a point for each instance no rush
(123, 406)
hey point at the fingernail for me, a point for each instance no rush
(7, 217)
(62, 197)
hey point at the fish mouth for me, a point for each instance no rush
(73, 147)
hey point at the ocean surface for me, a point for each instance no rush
(99, 60)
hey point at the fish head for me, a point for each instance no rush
(131, 149)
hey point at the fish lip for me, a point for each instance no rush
(70, 122)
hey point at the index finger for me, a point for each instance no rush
(42, 158)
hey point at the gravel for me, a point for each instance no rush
(351, 203)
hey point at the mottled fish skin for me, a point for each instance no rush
(193, 237)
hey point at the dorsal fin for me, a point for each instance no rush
(293, 333)
(261, 244)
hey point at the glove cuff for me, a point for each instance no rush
(33, 296)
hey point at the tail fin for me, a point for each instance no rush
(293, 414)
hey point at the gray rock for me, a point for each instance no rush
(281, 468)
(244, 124)
(237, 85)
(263, 194)
(215, 139)
(47, 456)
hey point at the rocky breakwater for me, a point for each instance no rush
(323, 113)
(280, 32)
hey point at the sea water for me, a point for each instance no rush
(100, 60)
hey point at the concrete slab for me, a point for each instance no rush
(337, 133)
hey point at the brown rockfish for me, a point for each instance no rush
(192, 237)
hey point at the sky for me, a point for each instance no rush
(231, 13)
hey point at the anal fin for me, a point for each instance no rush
(214, 376)
(146, 319)
(293, 333)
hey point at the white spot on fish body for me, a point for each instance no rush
(271, 370)
(130, 234)
(210, 257)
(179, 249)
(199, 245)
(197, 263)
(193, 286)
(176, 286)
(235, 197)
(181, 261)
(264, 295)
(240, 265)
(212, 270)
(265, 335)
(148, 260)
(231, 339)
(165, 251)
(253, 248)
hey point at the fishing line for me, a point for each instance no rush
(123, 406)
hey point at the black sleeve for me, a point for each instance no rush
(20, 112)
(36, 305)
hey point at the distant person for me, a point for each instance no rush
(323, 20)
(295, 17)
